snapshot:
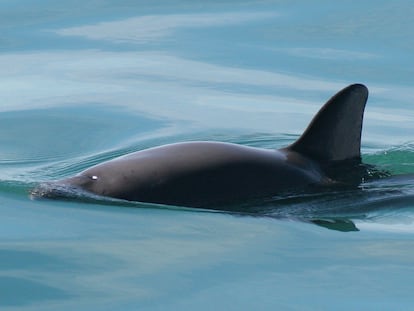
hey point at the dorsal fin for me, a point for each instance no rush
(335, 132)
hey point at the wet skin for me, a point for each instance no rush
(210, 174)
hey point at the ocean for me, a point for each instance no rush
(86, 81)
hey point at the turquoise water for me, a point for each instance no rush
(86, 81)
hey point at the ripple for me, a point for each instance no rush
(356, 203)
(398, 159)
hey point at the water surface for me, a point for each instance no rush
(86, 81)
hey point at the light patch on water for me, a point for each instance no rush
(192, 92)
(256, 104)
(396, 227)
(122, 69)
(164, 85)
(399, 115)
(142, 29)
(328, 53)
(134, 80)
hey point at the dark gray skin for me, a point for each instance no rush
(210, 174)
(199, 174)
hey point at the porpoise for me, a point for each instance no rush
(209, 174)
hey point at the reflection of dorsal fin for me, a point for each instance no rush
(335, 132)
(343, 225)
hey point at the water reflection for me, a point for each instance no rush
(13, 259)
(18, 292)
(187, 79)
(150, 259)
(142, 29)
(31, 286)
(256, 65)
(328, 54)
(193, 91)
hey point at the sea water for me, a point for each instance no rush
(85, 81)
